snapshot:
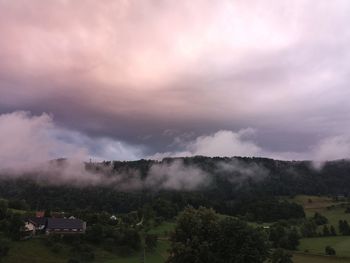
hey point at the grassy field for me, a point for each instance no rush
(313, 204)
(334, 211)
(316, 245)
(34, 251)
(308, 258)
(163, 229)
(334, 214)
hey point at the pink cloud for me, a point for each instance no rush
(129, 69)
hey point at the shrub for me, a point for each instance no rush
(330, 251)
(151, 241)
(56, 248)
(4, 247)
(87, 256)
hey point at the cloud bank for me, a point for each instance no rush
(32, 144)
(130, 79)
(226, 143)
(29, 141)
(129, 70)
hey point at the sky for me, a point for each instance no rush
(129, 79)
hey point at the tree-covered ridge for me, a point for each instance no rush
(273, 176)
(247, 187)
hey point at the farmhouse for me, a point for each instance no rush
(54, 225)
(34, 224)
(65, 226)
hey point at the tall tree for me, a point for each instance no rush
(202, 237)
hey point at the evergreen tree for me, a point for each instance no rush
(344, 227)
(341, 226)
(326, 231)
(4, 247)
(293, 238)
(320, 219)
(332, 230)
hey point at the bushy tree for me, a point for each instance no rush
(201, 237)
(15, 225)
(192, 240)
(238, 242)
(332, 230)
(325, 231)
(344, 227)
(95, 233)
(4, 247)
(283, 236)
(151, 241)
(3, 209)
(18, 204)
(320, 219)
(308, 228)
(330, 251)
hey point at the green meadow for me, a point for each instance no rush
(310, 258)
(310, 249)
(313, 249)
(316, 245)
(35, 251)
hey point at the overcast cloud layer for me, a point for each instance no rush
(132, 79)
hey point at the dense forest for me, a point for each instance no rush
(248, 187)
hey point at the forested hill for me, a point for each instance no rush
(230, 185)
(266, 175)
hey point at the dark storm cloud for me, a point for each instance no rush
(158, 76)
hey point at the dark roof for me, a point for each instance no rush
(37, 221)
(64, 223)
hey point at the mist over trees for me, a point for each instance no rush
(247, 187)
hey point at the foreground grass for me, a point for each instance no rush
(32, 251)
(308, 258)
(35, 251)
